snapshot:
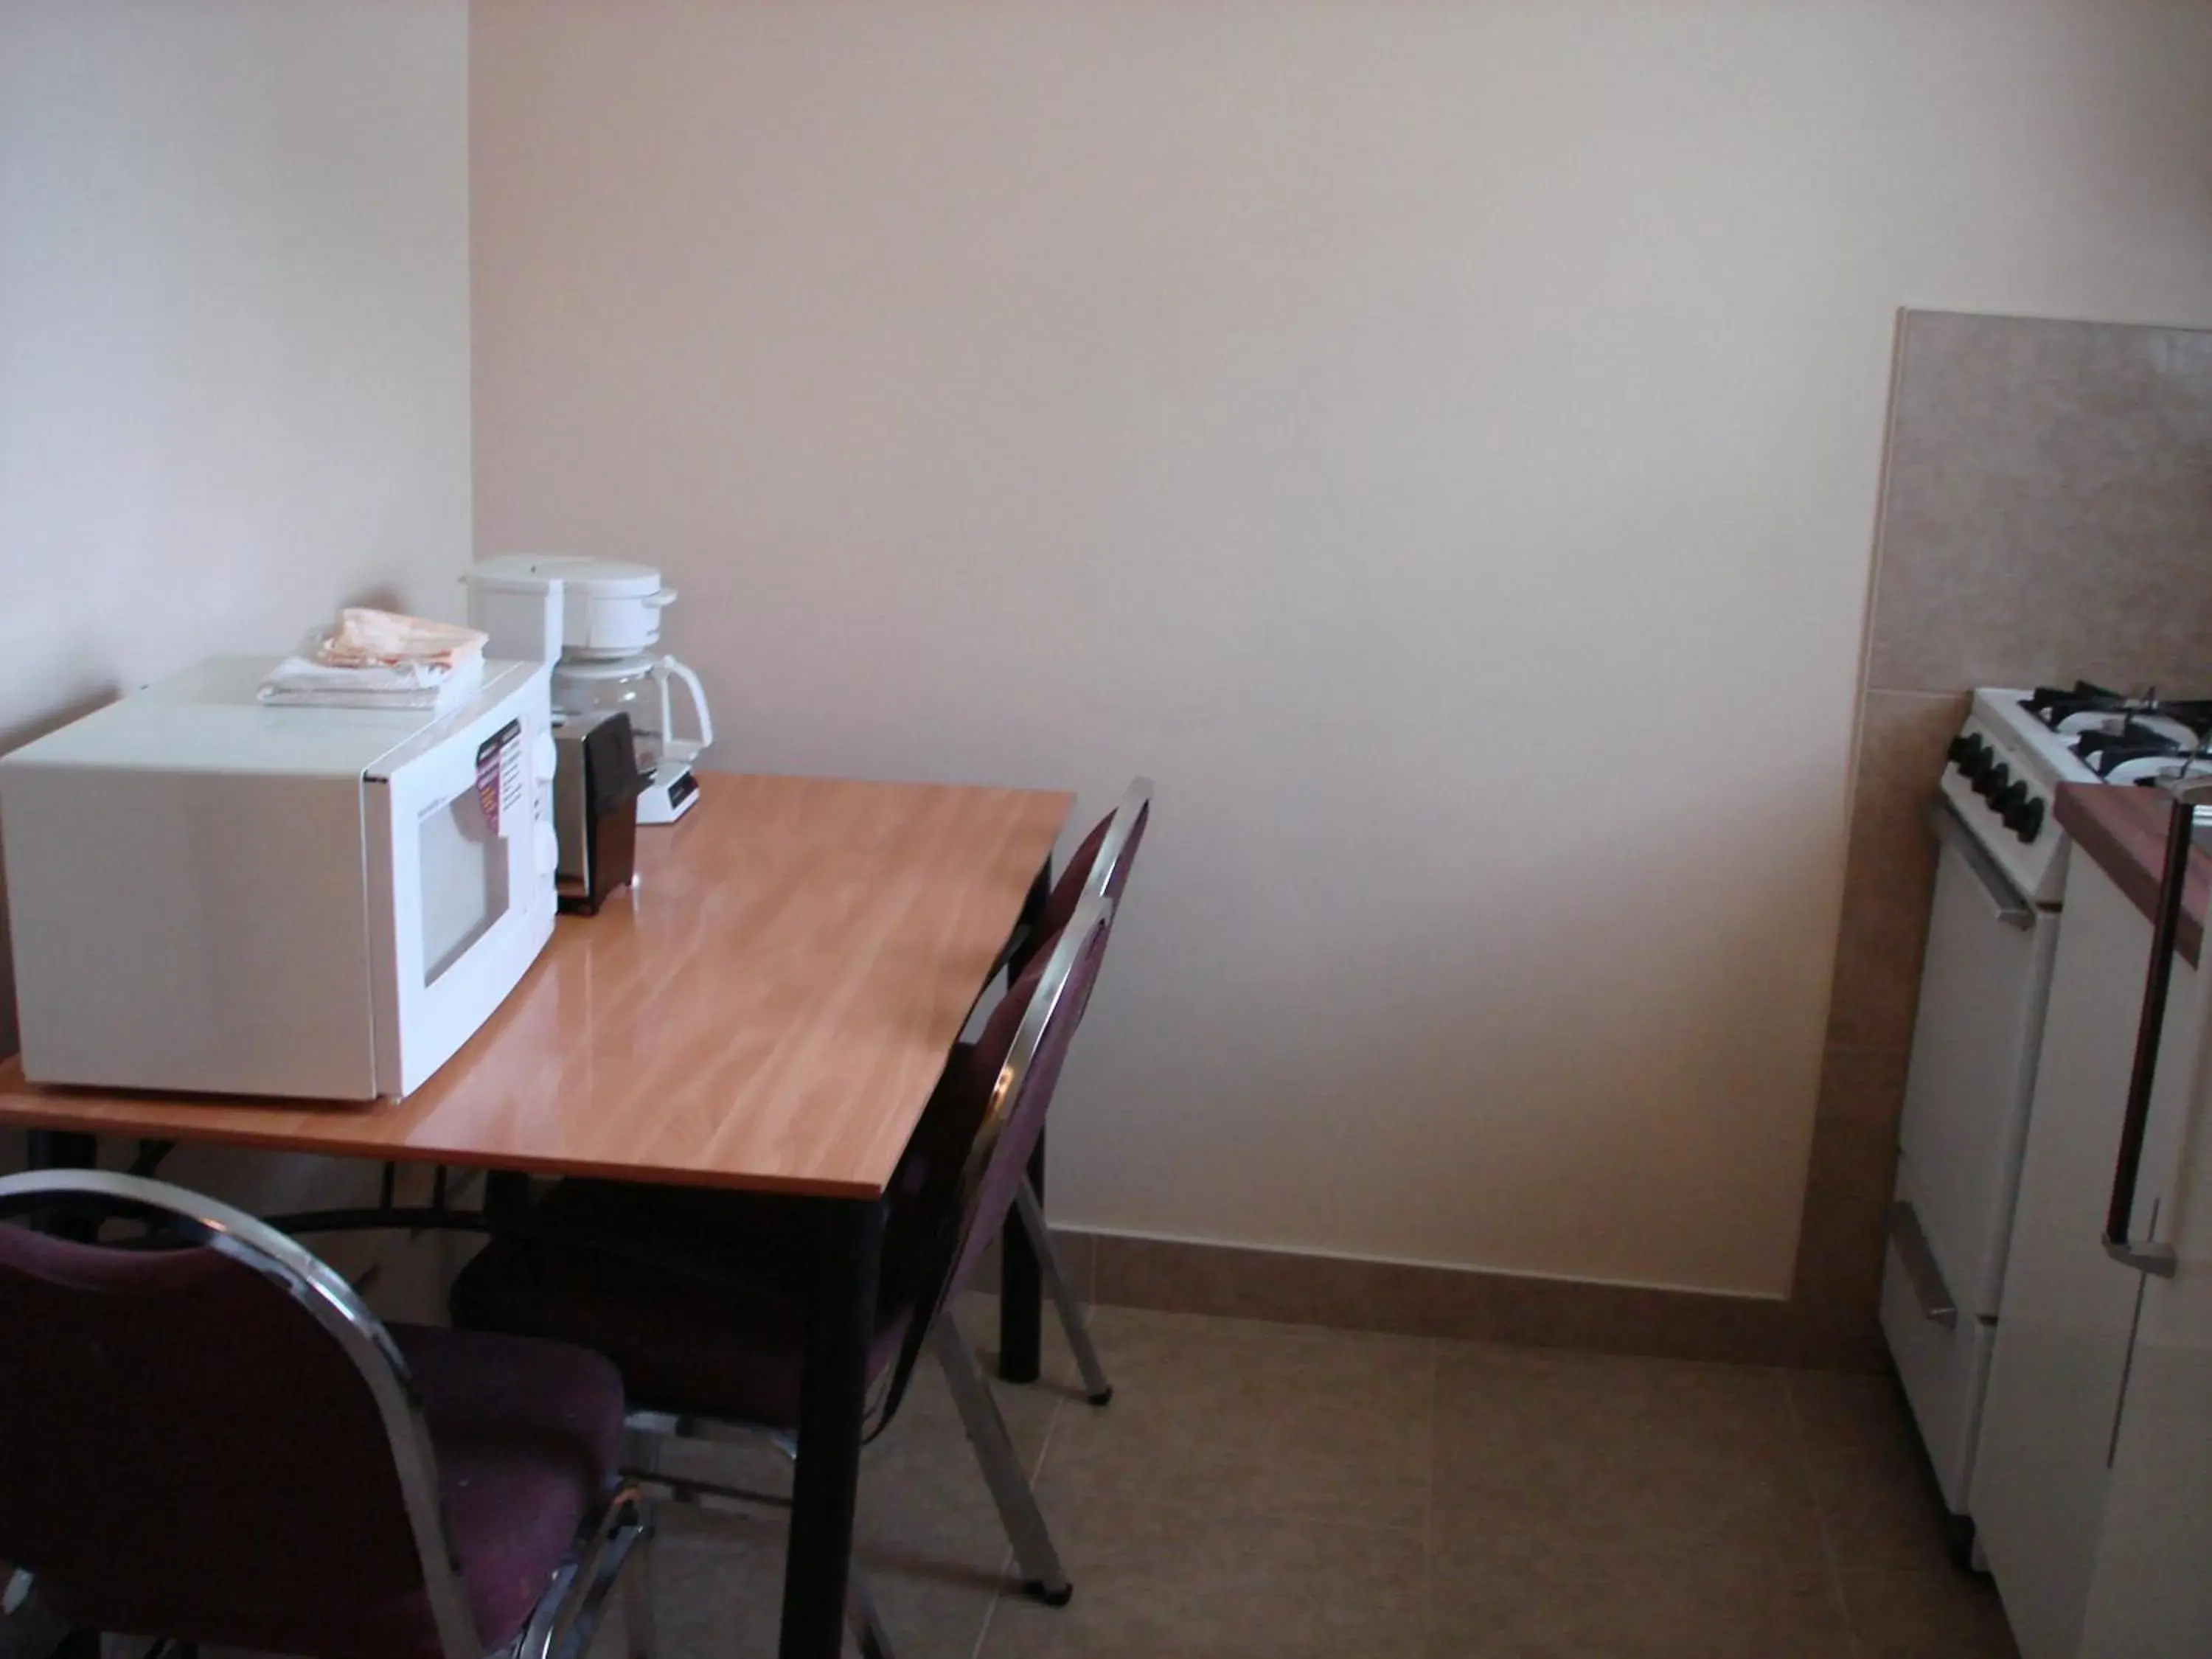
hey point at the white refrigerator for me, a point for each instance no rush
(2093, 1489)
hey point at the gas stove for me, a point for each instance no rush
(2126, 739)
(1993, 943)
(2017, 747)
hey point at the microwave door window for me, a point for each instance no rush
(464, 881)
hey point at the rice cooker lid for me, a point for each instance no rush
(596, 579)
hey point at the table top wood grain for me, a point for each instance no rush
(769, 1010)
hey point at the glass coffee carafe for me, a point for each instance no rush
(637, 686)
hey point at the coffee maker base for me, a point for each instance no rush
(670, 793)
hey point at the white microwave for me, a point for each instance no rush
(211, 895)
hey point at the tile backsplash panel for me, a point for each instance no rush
(1889, 876)
(2047, 515)
(2048, 509)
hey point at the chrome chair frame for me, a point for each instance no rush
(1135, 801)
(1046, 1579)
(567, 1615)
(1028, 1209)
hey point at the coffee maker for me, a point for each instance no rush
(597, 622)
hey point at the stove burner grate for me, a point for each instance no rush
(2106, 752)
(2054, 706)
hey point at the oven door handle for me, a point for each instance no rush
(1937, 1305)
(2013, 906)
(2150, 1256)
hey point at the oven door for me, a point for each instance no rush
(1982, 990)
(460, 890)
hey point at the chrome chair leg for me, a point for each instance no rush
(1096, 1387)
(1002, 1468)
(640, 1639)
(864, 1622)
(644, 1433)
(615, 1545)
(681, 1491)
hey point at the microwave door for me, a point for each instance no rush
(455, 830)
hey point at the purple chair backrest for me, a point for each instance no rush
(204, 1435)
(1100, 864)
(973, 1147)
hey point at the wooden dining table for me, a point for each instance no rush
(767, 1009)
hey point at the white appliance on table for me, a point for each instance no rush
(1994, 932)
(206, 893)
(597, 620)
(2094, 1492)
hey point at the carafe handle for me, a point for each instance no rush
(671, 669)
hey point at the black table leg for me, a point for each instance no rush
(1021, 1292)
(1021, 1284)
(65, 1149)
(506, 1193)
(840, 1316)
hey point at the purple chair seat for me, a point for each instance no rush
(528, 1435)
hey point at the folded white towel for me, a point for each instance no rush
(298, 673)
(298, 682)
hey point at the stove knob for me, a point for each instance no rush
(1962, 747)
(2028, 822)
(2010, 799)
(1971, 755)
(1992, 780)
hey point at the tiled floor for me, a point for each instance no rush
(1265, 1489)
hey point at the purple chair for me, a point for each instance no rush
(724, 1347)
(1101, 865)
(205, 1437)
(1099, 869)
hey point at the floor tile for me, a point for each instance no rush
(1235, 1418)
(718, 1579)
(928, 1533)
(1521, 1595)
(1168, 1584)
(717, 1584)
(928, 1526)
(1264, 1489)
(1938, 1614)
(1877, 1500)
(1597, 1455)
(1057, 1376)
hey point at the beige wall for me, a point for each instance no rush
(1440, 443)
(234, 331)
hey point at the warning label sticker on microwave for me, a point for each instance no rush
(499, 777)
